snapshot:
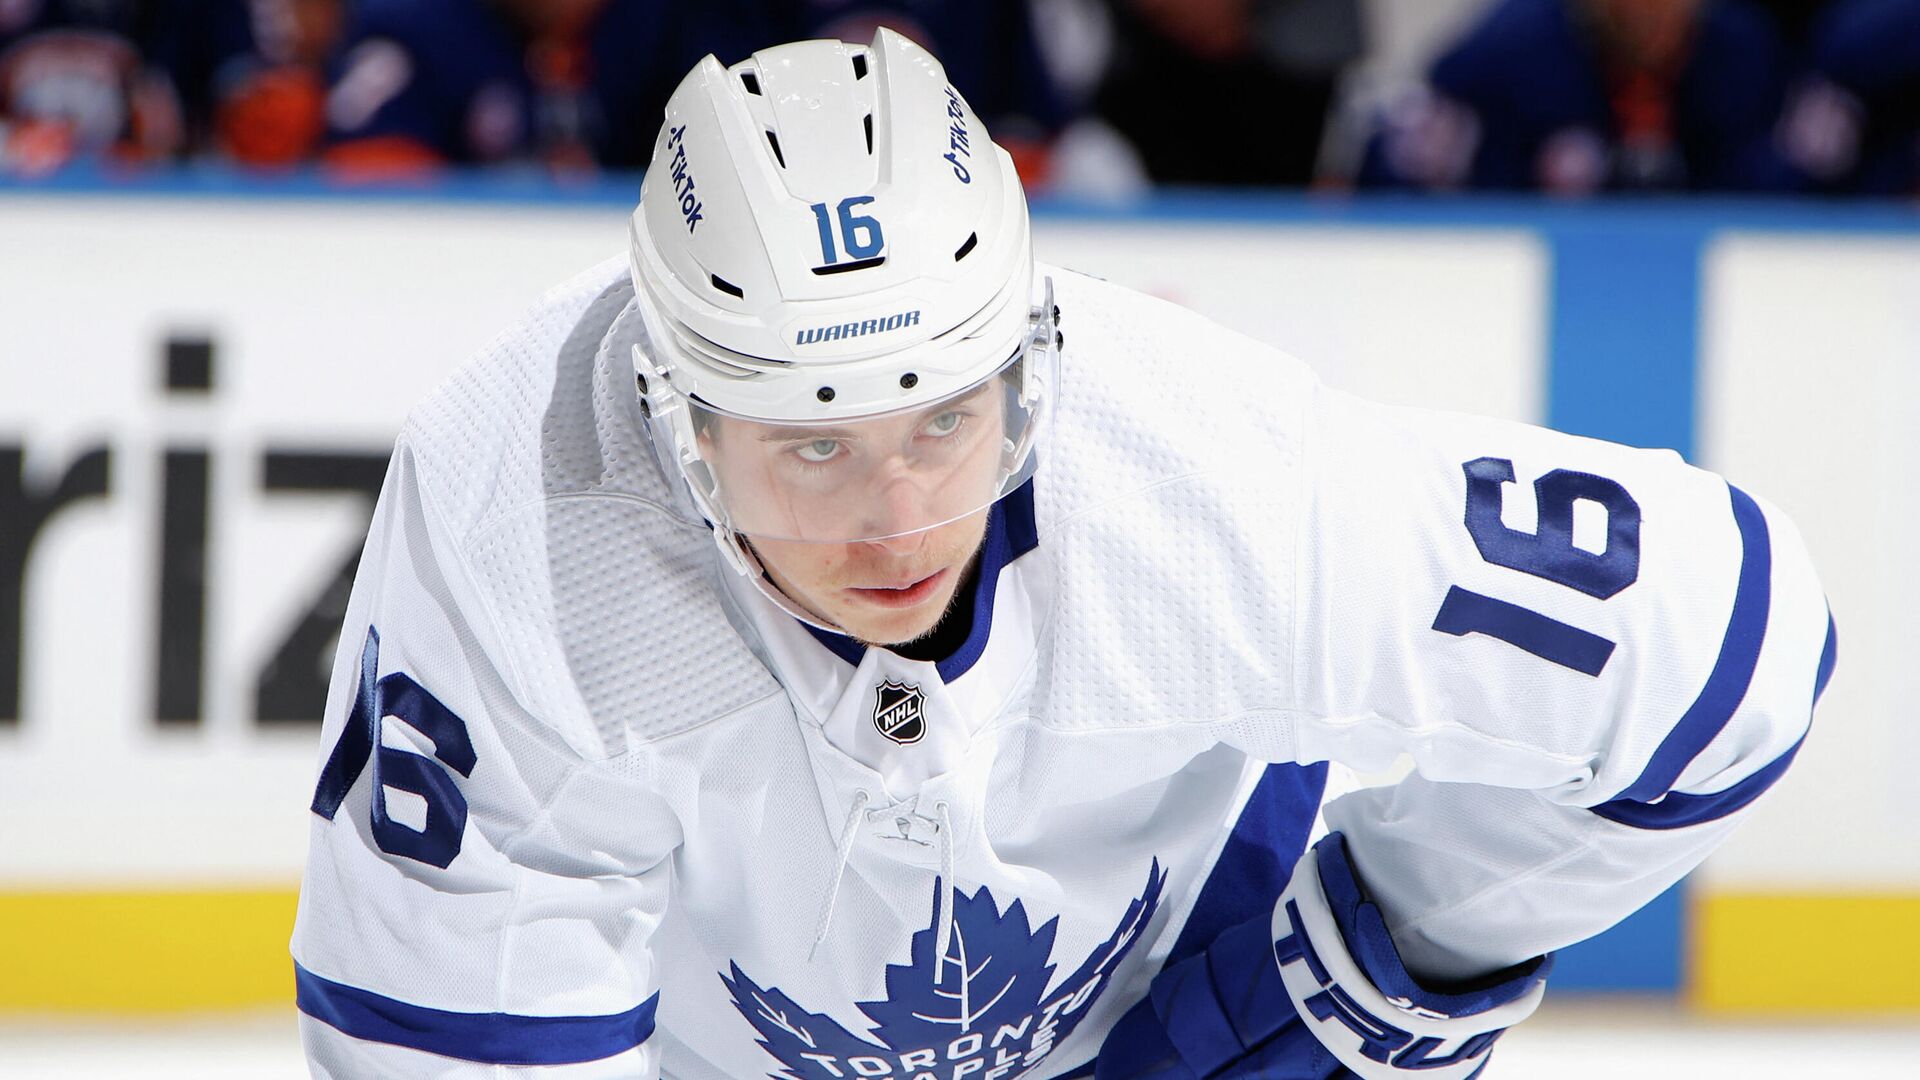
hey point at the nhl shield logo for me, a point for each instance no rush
(899, 712)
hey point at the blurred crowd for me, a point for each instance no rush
(1093, 97)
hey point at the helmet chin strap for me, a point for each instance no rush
(738, 553)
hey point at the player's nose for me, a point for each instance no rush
(899, 510)
(901, 544)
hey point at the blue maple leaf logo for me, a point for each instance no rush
(988, 1000)
(995, 969)
(790, 1032)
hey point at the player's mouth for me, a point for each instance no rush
(907, 595)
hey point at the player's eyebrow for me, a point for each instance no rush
(966, 397)
(801, 434)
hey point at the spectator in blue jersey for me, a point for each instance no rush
(562, 84)
(76, 83)
(1580, 96)
(251, 74)
(1854, 126)
(988, 49)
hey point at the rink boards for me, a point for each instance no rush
(196, 393)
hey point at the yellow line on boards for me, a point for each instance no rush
(137, 951)
(145, 951)
(1805, 953)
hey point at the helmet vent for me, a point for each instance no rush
(774, 141)
(973, 240)
(751, 81)
(859, 65)
(726, 286)
(841, 268)
(868, 122)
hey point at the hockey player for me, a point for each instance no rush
(783, 655)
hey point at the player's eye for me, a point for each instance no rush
(944, 424)
(818, 451)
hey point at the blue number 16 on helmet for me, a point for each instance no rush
(859, 234)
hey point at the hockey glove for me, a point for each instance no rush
(1316, 991)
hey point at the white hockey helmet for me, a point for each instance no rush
(835, 269)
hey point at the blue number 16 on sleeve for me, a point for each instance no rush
(1548, 553)
(398, 696)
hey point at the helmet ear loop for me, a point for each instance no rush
(1030, 397)
(1043, 336)
(1036, 363)
(734, 548)
(676, 440)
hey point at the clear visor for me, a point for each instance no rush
(880, 476)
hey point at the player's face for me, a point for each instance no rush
(913, 486)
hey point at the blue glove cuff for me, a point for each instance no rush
(1343, 974)
(1364, 929)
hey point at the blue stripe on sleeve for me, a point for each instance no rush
(490, 1038)
(1679, 810)
(1828, 654)
(1732, 672)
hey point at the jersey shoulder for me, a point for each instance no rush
(1152, 391)
(1167, 504)
(535, 461)
(537, 412)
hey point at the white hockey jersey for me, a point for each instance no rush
(591, 806)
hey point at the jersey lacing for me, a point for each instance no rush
(943, 910)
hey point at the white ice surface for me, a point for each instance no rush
(1566, 1042)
